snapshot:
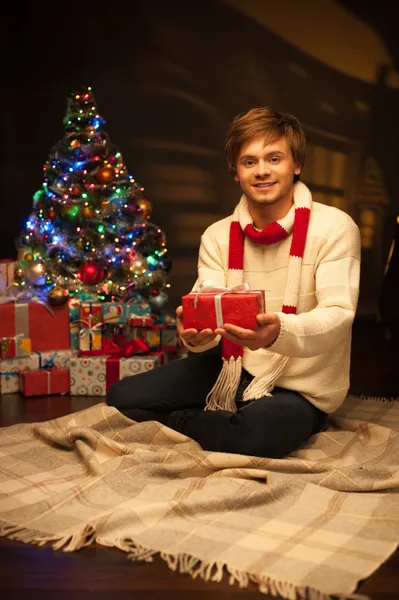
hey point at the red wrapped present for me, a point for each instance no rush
(140, 321)
(15, 347)
(214, 306)
(44, 382)
(46, 326)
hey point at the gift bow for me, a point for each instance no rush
(125, 349)
(210, 287)
(49, 364)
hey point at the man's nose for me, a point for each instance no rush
(262, 169)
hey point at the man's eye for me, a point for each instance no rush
(249, 163)
(275, 159)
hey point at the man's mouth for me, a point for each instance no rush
(264, 185)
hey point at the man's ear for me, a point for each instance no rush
(297, 170)
(236, 178)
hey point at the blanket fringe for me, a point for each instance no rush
(376, 398)
(67, 543)
(183, 563)
(214, 571)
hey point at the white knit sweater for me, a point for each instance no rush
(317, 339)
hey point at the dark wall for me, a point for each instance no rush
(168, 77)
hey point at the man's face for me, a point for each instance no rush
(265, 172)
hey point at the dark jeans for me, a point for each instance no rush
(175, 394)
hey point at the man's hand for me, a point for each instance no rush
(262, 337)
(193, 337)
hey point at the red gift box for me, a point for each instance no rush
(140, 321)
(47, 327)
(213, 309)
(44, 382)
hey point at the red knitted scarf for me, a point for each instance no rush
(241, 232)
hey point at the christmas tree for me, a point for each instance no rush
(89, 235)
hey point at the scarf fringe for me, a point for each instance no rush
(222, 395)
(263, 384)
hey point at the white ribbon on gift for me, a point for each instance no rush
(211, 287)
(90, 329)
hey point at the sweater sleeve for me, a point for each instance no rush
(337, 275)
(210, 266)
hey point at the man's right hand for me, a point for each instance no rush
(193, 337)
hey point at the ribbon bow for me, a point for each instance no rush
(125, 349)
(122, 350)
(90, 329)
(49, 364)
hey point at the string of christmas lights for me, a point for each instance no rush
(89, 235)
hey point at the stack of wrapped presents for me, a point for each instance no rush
(80, 348)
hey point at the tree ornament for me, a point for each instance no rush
(105, 175)
(18, 274)
(51, 213)
(91, 273)
(28, 257)
(35, 273)
(74, 143)
(146, 207)
(158, 301)
(57, 296)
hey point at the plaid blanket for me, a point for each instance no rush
(311, 525)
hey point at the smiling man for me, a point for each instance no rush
(263, 392)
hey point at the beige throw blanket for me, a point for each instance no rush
(316, 522)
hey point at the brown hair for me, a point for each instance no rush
(265, 122)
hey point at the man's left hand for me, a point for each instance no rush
(262, 337)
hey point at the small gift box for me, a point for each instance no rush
(14, 347)
(7, 268)
(10, 368)
(169, 338)
(44, 382)
(90, 334)
(138, 307)
(74, 328)
(213, 306)
(116, 312)
(94, 375)
(135, 321)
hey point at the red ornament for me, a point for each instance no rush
(91, 273)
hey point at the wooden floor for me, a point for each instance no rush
(102, 573)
